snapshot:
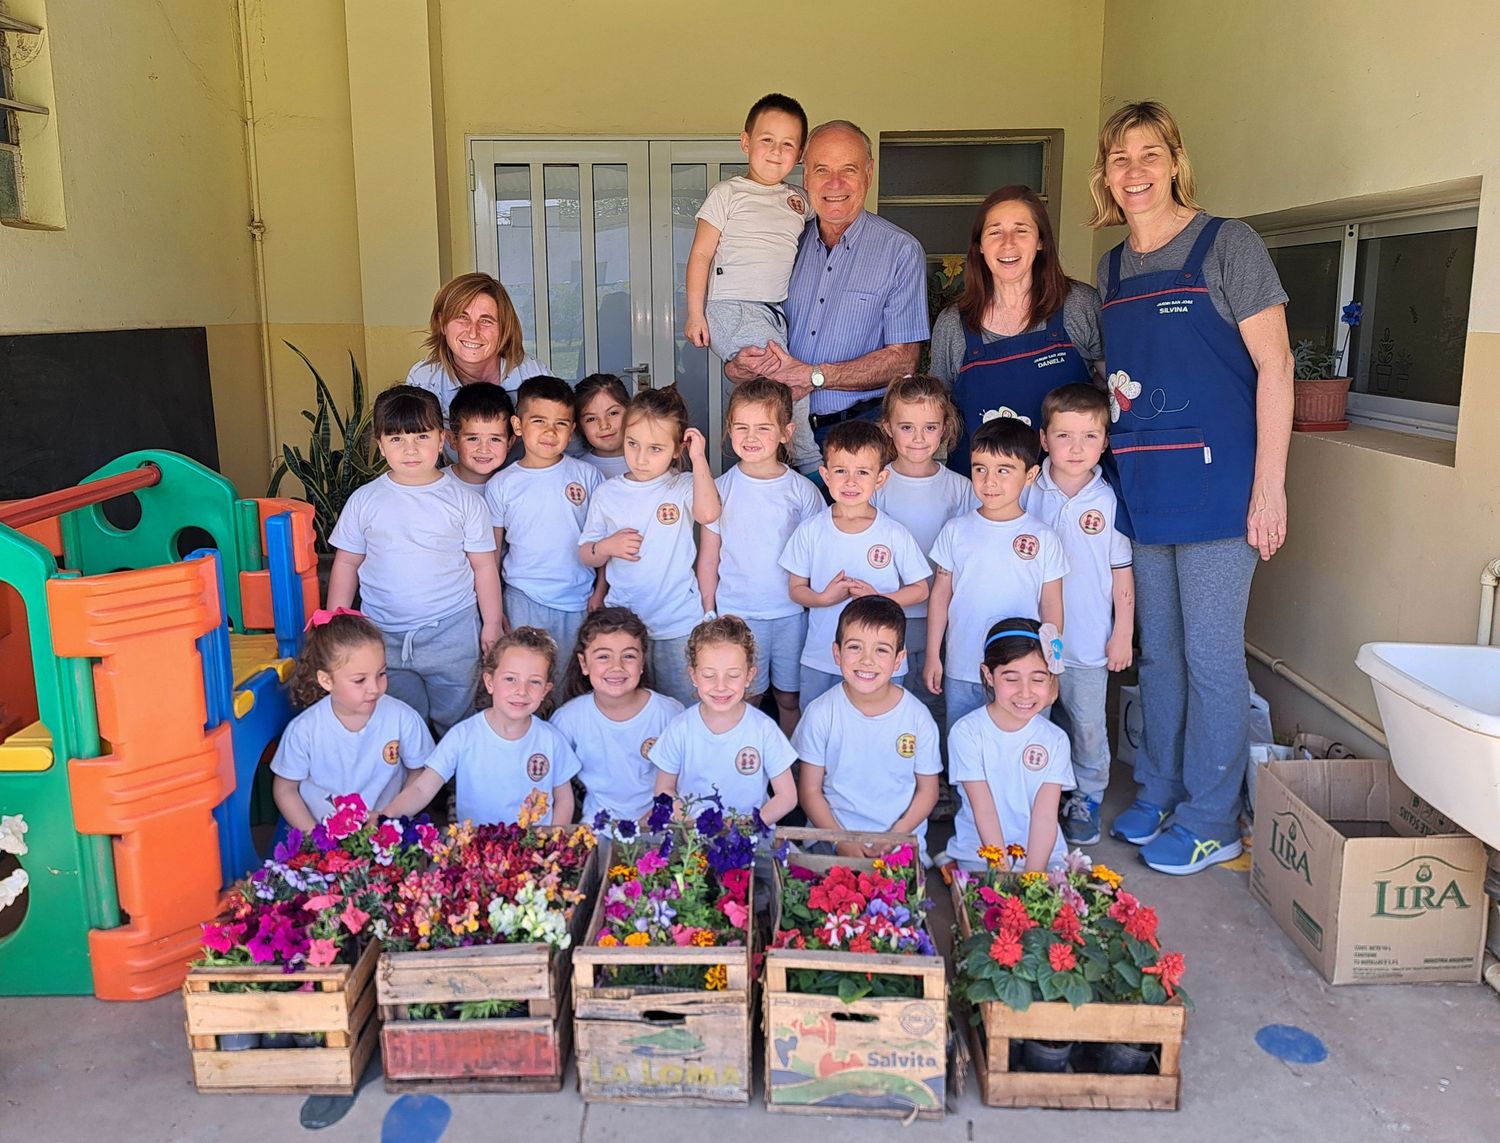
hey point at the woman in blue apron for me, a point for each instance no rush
(1200, 382)
(1020, 328)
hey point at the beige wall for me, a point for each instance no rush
(1285, 104)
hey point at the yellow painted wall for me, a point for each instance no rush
(1285, 104)
(147, 111)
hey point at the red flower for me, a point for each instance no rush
(789, 939)
(993, 917)
(1061, 958)
(839, 892)
(736, 883)
(1014, 916)
(1005, 952)
(1141, 924)
(862, 943)
(1067, 926)
(1169, 967)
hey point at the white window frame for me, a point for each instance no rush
(10, 110)
(1419, 418)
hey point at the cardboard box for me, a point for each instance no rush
(1370, 882)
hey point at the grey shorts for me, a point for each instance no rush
(736, 325)
(778, 652)
(434, 668)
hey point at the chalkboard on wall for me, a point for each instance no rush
(71, 402)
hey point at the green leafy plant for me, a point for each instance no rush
(330, 474)
(1311, 363)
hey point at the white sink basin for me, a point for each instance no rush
(1440, 705)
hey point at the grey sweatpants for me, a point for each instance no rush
(435, 668)
(736, 325)
(1191, 601)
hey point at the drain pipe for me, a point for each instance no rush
(1489, 579)
(1279, 668)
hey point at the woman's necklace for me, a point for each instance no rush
(1005, 320)
(1180, 223)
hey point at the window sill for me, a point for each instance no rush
(1429, 450)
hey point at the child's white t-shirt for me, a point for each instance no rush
(759, 228)
(496, 775)
(922, 505)
(999, 567)
(327, 759)
(432, 376)
(870, 762)
(609, 466)
(884, 555)
(542, 511)
(415, 540)
(614, 758)
(1015, 764)
(662, 586)
(758, 517)
(1085, 523)
(739, 763)
(475, 490)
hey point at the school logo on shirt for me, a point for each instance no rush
(1026, 546)
(1034, 757)
(1003, 411)
(795, 204)
(575, 493)
(1092, 522)
(668, 514)
(906, 745)
(747, 761)
(646, 746)
(879, 556)
(537, 766)
(392, 751)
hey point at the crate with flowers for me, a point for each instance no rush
(1072, 1000)
(856, 1003)
(473, 982)
(283, 997)
(662, 982)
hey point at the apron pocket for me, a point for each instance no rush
(1161, 472)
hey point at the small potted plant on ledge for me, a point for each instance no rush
(1321, 390)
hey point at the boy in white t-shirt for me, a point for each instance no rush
(850, 550)
(1072, 497)
(746, 243)
(995, 561)
(479, 434)
(537, 507)
(869, 749)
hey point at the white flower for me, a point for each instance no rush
(13, 829)
(12, 887)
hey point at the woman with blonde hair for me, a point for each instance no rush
(1200, 384)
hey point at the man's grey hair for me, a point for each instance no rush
(841, 125)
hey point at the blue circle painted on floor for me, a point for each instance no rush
(416, 1119)
(1292, 1044)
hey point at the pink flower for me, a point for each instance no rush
(631, 889)
(322, 901)
(738, 914)
(354, 917)
(387, 836)
(900, 857)
(650, 862)
(322, 952)
(216, 937)
(683, 934)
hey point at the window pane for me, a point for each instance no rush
(959, 168)
(689, 186)
(564, 271)
(940, 229)
(1310, 276)
(1415, 292)
(513, 244)
(612, 265)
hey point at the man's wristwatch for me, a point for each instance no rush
(818, 380)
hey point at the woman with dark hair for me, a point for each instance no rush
(1021, 327)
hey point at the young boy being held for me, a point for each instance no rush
(746, 243)
(538, 506)
(994, 562)
(849, 550)
(1073, 499)
(479, 434)
(868, 747)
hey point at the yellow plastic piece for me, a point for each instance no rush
(28, 749)
(244, 703)
(251, 654)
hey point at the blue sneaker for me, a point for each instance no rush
(1080, 819)
(1139, 824)
(1178, 851)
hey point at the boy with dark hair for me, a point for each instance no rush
(478, 434)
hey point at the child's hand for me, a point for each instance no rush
(851, 849)
(596, 598)
(696, 331)
(1118, 651)
(858, 589)
(489, 635)
(697, 446)
(933, 675)
(623, 545)
(836, 592)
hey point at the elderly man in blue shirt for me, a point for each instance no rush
(856, 305)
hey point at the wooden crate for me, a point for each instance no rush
(342, 1006)
(657, 1045)
(513, 1054)
(990, 1040)
(879, 1056)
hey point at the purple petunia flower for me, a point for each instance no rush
(661, 813)
(710, 822)
(323, 839)
(626, 829)
(601, 819)
(289, 848)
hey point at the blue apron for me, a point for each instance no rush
(1182, 397)
(1013, 373)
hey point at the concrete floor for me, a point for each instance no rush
(1419, 1061)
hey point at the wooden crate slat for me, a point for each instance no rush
(471, 1049)
(1058, 1020)
(217, 1013)
(409, 978)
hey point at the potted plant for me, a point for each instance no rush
(330, 470)
(1320, 390)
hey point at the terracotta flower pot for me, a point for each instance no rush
(1319, 402)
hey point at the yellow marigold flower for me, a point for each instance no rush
(608, 941)
(705, 939)
(1108, 876)
(716, 979)
(621, 872)
(953, 265)
(1033, 878)
(1015, 852)
(992, 854)
(637, 940)
(700, 861)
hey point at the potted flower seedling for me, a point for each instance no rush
(1320, 389)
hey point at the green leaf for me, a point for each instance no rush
(1152, 992)
(1016, 993)
(1074, 989)
(853, 987)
